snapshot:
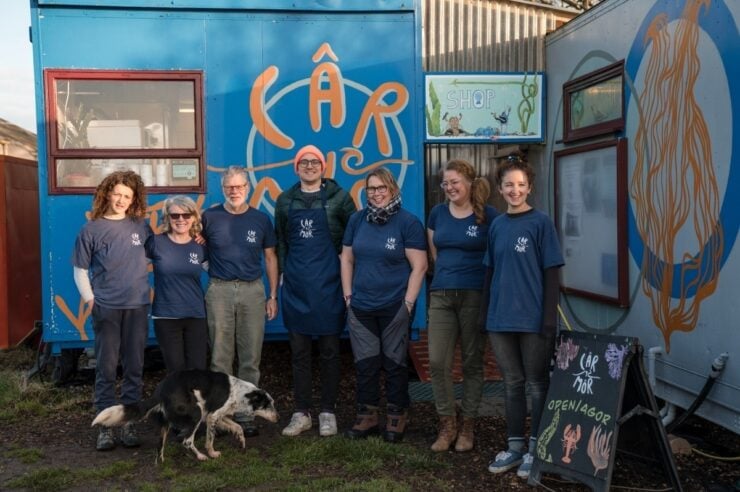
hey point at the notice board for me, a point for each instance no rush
(597, 386)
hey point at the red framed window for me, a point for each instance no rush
(100, 121)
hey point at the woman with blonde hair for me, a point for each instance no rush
(383, 263)
(179, 310)
(457, 231)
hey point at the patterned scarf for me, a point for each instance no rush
(381, 215)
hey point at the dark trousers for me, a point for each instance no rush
(301, 350)
(380, 340)
(183, 342)
(523, 358)
(118, 333)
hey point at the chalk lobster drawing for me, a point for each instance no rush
(570, 439)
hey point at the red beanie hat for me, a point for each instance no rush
(309, 149)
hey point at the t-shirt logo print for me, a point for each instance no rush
(135, 240)
(472, 231)
(521, 244)
(251, 236)
(193, 258)
(390, 243)
(306, 228)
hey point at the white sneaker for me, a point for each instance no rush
(327, 424)
(299, 422)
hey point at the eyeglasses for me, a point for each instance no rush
(304, 163)
(445, 184)
(240, 187)
(185, 216)
(371, 190)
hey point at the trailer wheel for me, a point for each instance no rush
(65, 366)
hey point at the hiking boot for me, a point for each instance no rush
(395, 424)
(247, 425)
(129, 437)
(327, 424)
(299, 422)
(505, 461)
(447, 433)
(525, 467)
(467, 433)
(366, 423)
(106, 441)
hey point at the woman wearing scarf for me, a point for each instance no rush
(383, 263)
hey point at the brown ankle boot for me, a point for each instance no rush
(467, 432)
(366, 423)
(447, 433)
(396, 424)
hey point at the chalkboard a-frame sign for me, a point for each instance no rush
(598, 386)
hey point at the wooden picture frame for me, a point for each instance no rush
(593, 104)
(591, 219)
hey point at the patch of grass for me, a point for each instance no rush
(25, 455)
(56, 478)
(234, 469)
(21, 399)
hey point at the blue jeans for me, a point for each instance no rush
(236, 319)
(119, 332)
(524, 358)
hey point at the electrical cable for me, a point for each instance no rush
(714, 457)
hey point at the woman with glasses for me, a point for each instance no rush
(457, 231)
(523, 260)
(310, 218)
(383, 265)
(179, 310)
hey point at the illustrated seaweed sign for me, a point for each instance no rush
(579, 421)
(484, 107)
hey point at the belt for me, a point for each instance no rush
(453, 292)
(234, 281)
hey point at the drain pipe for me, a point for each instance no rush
(668, 411)
(717, 367)
(653, 352)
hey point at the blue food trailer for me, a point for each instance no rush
(180, 90)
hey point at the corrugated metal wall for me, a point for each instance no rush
(481, 36)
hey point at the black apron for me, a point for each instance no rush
(312, 301)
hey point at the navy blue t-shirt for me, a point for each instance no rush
(177, 269)
(520, 248)
(236, 242)
(113, 252)
(381, 270)
(461, 244)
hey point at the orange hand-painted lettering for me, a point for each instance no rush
(333, 94)
(258, 110)
(376, 109)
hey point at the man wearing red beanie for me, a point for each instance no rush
(310, 218)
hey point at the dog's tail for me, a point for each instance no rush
(118, 415)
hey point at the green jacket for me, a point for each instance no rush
(339, 207)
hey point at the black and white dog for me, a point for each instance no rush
(186, 399)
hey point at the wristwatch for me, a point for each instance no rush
(272, 298)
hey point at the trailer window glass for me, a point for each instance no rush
(102, 121)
